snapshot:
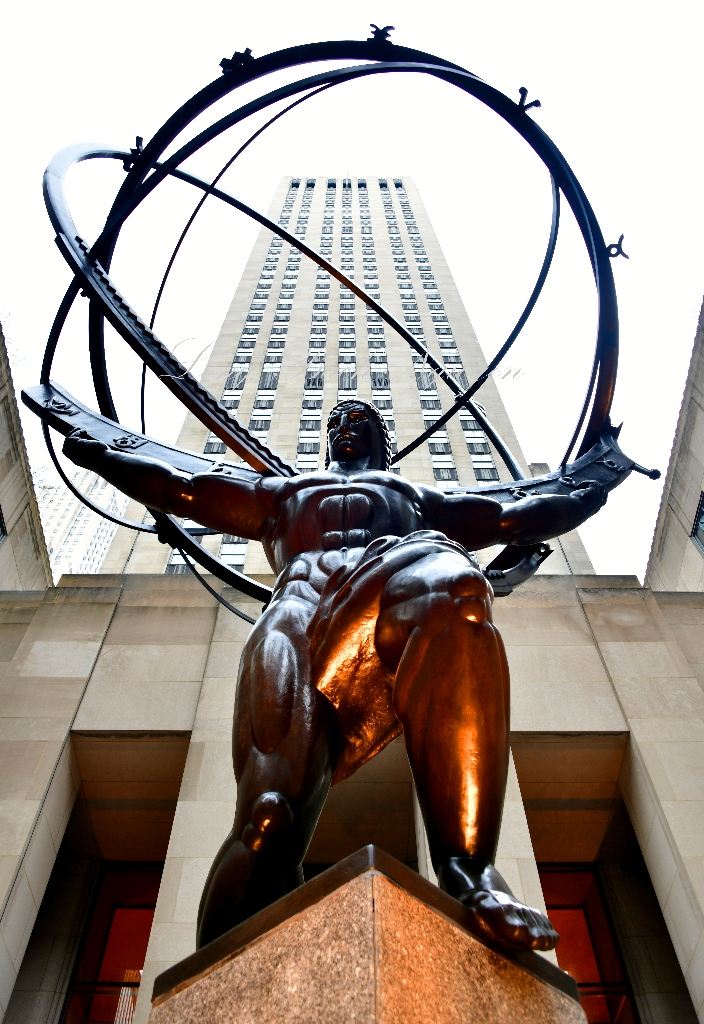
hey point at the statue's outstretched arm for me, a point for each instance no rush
(478, 522)
(226, 503)
(541, 517)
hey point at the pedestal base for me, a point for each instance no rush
(370, 942)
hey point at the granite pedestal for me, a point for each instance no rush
(368, 941)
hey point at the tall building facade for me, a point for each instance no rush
(295, 342)
(77, 539)
(24, 562)
(677, 555)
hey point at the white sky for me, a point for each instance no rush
(621, 87)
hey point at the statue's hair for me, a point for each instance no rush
(384, 452)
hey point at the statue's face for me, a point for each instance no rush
(350, 434)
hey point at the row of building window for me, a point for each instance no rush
(310, 430)
(233, 550)
(311, 433)
(439, 445)
(268, 383)
(376, 346)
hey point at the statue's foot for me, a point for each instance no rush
(504, 920)
(507, 921)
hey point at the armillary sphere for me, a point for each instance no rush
(597, 454)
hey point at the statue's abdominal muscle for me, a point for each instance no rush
(341, 517)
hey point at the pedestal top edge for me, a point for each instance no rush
(369, 858)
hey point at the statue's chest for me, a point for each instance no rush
(346, 520)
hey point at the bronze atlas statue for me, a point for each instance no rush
(380, 621)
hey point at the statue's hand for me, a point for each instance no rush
(83, 449)
(592, 494)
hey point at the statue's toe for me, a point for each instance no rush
(508, 922)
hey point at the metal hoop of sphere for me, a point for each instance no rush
(146, 168)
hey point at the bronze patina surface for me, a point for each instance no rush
(380, 622)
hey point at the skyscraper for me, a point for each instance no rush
(77, 538)
(295, 342)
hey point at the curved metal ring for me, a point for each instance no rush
(388, 58)
(514, 114)
(61, 217)
(199, 206)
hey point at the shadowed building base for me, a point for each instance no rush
(368, 941)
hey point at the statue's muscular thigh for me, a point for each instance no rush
(450, 694)
(281, 725)
(423, 596)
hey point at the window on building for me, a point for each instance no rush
(588, 947)
(214, 446)
(109, 966)
(469, 424)
(176, 566)
(445, 473)
(8, 437)
(485, 474)
(698, 528)
(233, 550)
(314, 379)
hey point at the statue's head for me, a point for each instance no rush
(357, 429)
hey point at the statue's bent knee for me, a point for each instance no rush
(271, 815)
(471, 595)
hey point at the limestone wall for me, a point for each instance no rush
(49, 645)
(24, 562)
(676, 559)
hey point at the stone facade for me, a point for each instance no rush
(677, 558)
(111, 684)
(24, 562)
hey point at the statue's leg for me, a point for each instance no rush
(452, 696)
(283, 740)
